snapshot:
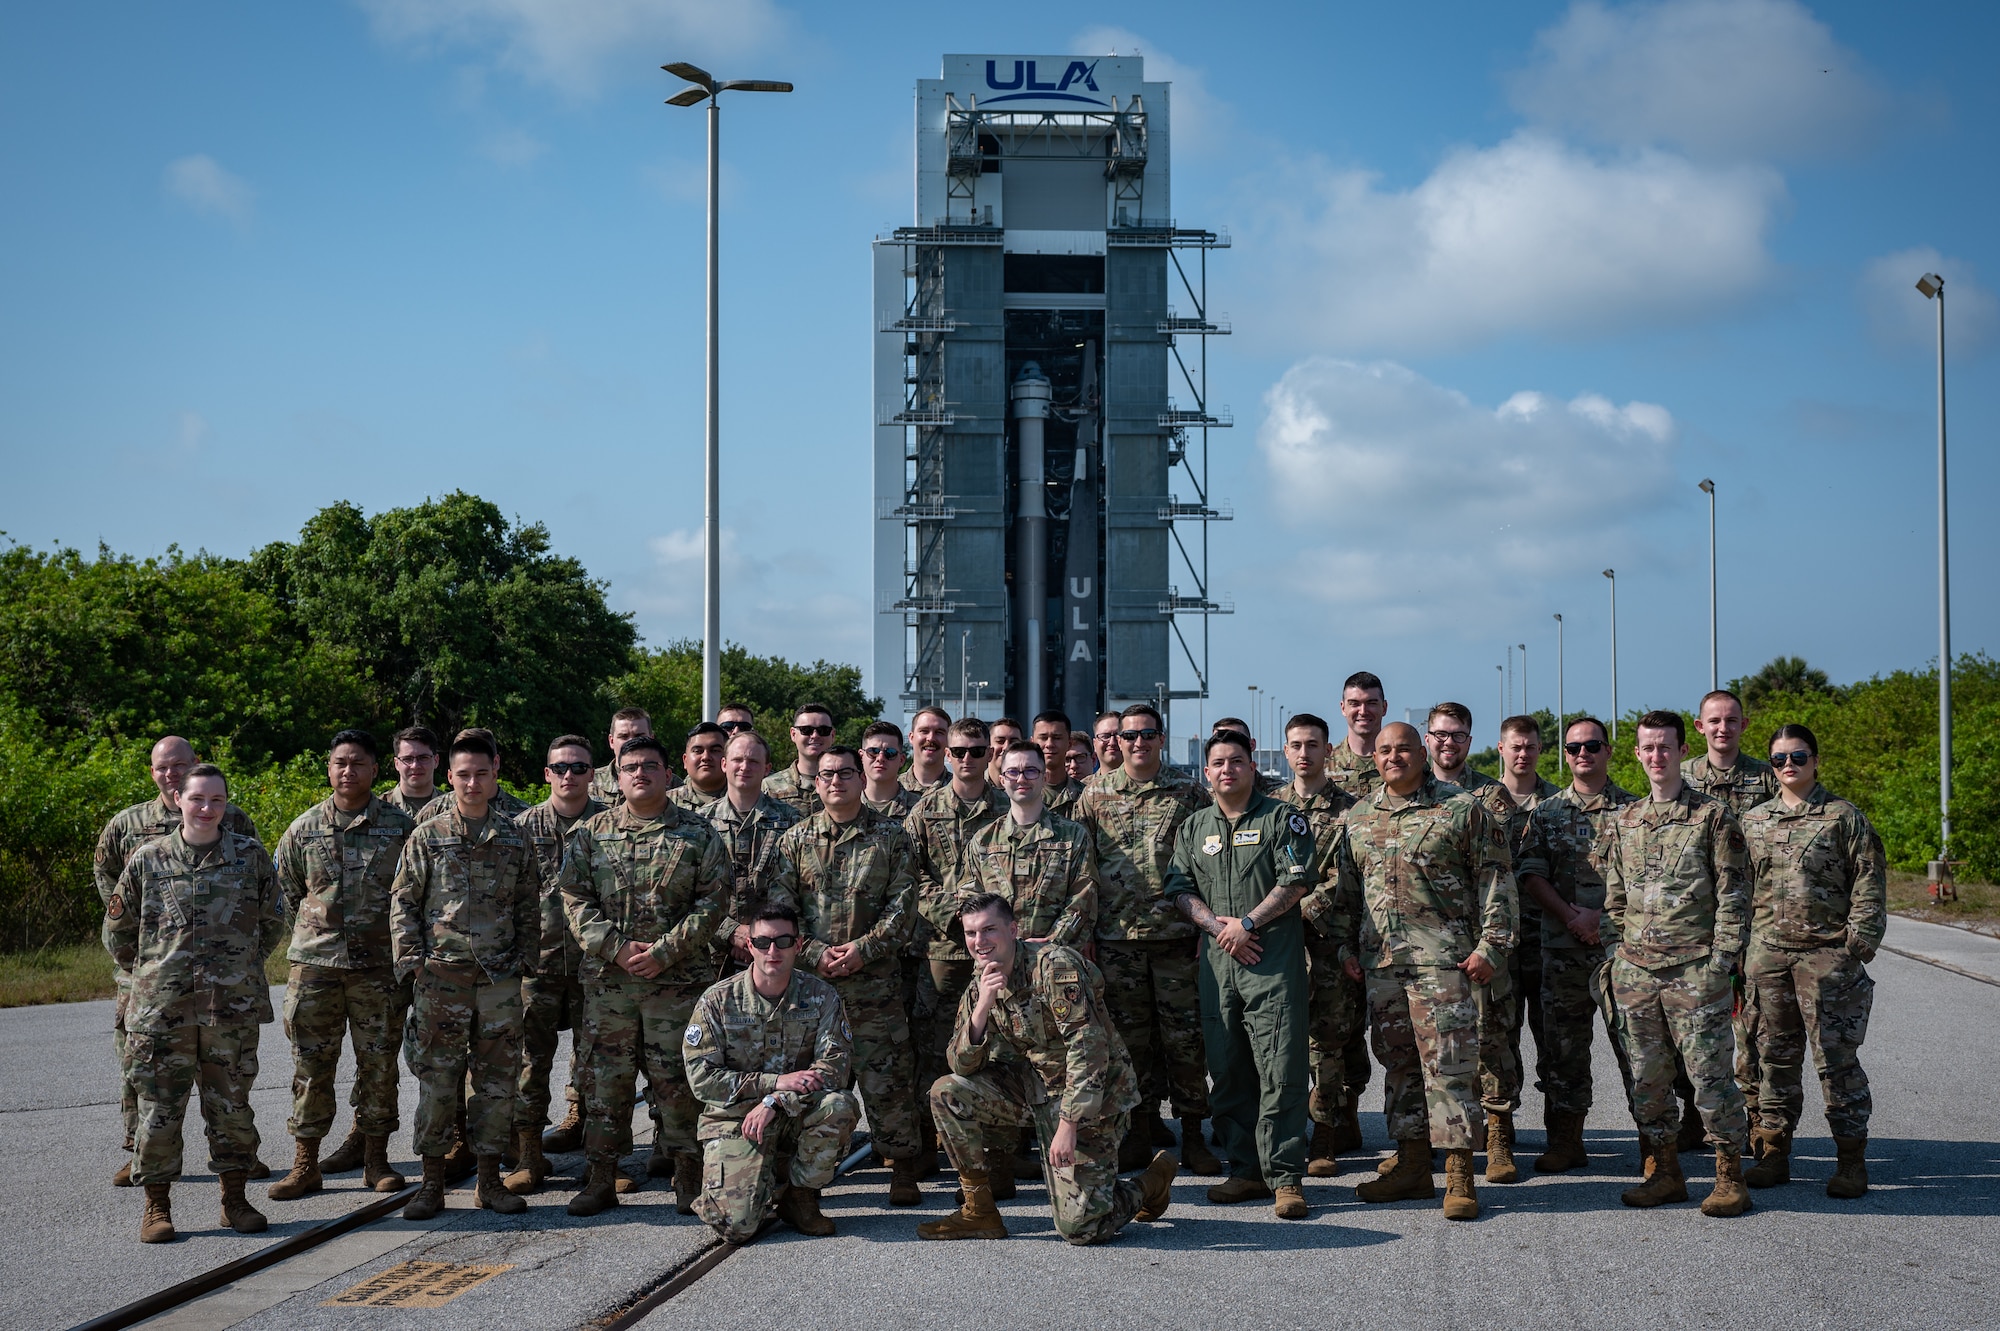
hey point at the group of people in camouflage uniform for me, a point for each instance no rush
(1013, 946)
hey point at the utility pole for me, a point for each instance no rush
(1612, 574)
(1932, 286)
(1714, 674)
(1524, 678)
(1562, 720)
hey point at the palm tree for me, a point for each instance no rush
(1783, 675)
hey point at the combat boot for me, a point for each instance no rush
(1135, 1148)
(1461, 1200)
(430, 1196)
(1194, 1151)
(1291, 1203)
(999, 1172)
(1409, 1179)
(1156, 1187)
(534, 1165)
(799, 1208)
(375, 1170)
(305, 1176)
(258, 1169)
(687, 1181)
(157, 1226)
(1566, 1150)
(459, 1160)
(1850, 1170)
(927, 1150)
(1500, 1166)
(1774, 1160)
(904, 1190)
(1233, 1189)
(1321, 1161)
(1388, 1163)
(1729, 1197)
(660, 1160)
(237, 1212)
(1347, 1128)
(348, 1155)
(493, 1195)
(600, 1189)
(975, 1217)
(567, 1135)
(1664, 1181)
(123, 1178)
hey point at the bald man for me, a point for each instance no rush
(128, 830)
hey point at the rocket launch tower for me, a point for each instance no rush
(1041, 400)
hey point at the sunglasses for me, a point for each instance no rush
(969, 751)
(883, 751)
(1133, 736)
(733, 726)
(570, 769)
(821, 731)
(1576, 746)
(1796, 758)
(765, 942)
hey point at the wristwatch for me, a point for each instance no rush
(771, 1101)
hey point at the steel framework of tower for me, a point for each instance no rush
(1032, 545)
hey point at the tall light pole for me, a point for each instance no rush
(1612, 574)
(964, 675)
(1524, 677)
(1503, 705)
(1507, 688)
(1562, 755)
(707, 89)
(1252, 717)
(1933, 288)
(1714, 675)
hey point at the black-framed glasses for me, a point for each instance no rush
(1105, 737)
(821, 731)
(1133, 736)
(882, 751)
(570, 769)
(1577, 746)
(733, 726)
(837, 774)
(1452, 736)
(1796, 758)
(414, 759)
(633, 769)
(964, 751)
(1021, 773)
(765, 942)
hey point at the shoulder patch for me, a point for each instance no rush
(693, 1035)
(1297, 822)
(116, 910)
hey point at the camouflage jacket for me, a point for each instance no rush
(1233, 866)
(739, 1043)
(503, 803)
(1353, 773)
(751, 842)
(852, 882)
(1423, 881)
(1136, 824)
(132, 827)
(1569, 834)
(1677, 881)
(1061, 800)
(463, 900)
(1051, 1017)
(1046, 870)
(687, 795)
(1742, 787)
(604, 784)
(337, 882)
(193, 925)
(413, 809)
(897, 806)
(1818, 874)
(1513, 821)
(549, 831)
(942, 827)
(908, 781)
(1324, 813)
(662, 882)
(801, 792)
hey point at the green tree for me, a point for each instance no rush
(667, 683)
(1783, 675)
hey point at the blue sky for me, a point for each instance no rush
(1507, 281)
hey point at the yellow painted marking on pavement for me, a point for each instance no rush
(415, 1285)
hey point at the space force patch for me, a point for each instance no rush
(1297, 822)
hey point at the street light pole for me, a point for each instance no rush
(1612, 574)
(964, 674)
(1714, 674)
(1524, 678)
(1562, 756)
(1932, 286)
(707, 89)
(1503, 705)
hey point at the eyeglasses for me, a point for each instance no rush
(569, 769)
(1577, 746)
(733, 726)
(821, 731)
(837, 774)
(1133, 736)
(632, 769)
(415, 759)
(1452, 736)
(1021, 774)
(968, 751)
(1108, 737)
(765, 942)
(1796, 758)
(880, 751)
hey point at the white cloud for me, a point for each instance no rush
(573, 44)
(200, 182)
(1444, 513)
(511, 147)
(1732, 78)
(1530, 235)
(1899, 314)
(1199, 121)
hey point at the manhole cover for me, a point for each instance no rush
(415, 1285)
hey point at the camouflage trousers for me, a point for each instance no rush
(323, 1006)
(463, 1045)
(949, 977)
(168, 1066)
(1524, 968)
(1820, 996)
(1337, 1033)
(739, 1176)
(920, 999)
(1749, 1074)
(1570, 1015)
(1427, 1040)
(1680, 1010)
(1090, 1201)
(550, 1005)
(1499, 1005)
(632, 1026)
(1152, 989)
(885, 1062)
(128, 1095)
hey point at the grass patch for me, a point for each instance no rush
(1977, 907)
(79, 972)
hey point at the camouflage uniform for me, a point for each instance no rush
(796, 789)
(1353, 773)
(738, 1044)
(1819, 907)
(1676, 891)
(336, 870)
(693, 798)
(1742, 786)
(129, 829)
(1061, 800)
(604, 784)
(1568, 836)
(411, 807)
(191, 926)
(751, 840)
(942, 827)
(908, 781)
(1336, 1007)
(505, 804)
(662, 882)
(466, 916)
(1046, 870)
(1149, 952)
(552, 997)
(1425, 881)
(1252, 1032)
(856, 882)
(897, 806)
(1050, 1054)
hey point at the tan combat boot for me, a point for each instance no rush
(1500, 1166)
(1347, 1128)
(1387, 1164)
(1461, 1202)
(567, 1135)
(123, 1178)
(429, 1200)
(600, 1189)
(1774, 1159)
(1729, 1196)
(237, 1212)
(348, 1155)
(904, 1190)
(1156, 1187)
(1322, 1161)
(799, 1208)
(1664, 1181)
(1234, 1189)
(493, 1195)
(1194, 1151)
(1409, 1178)
(1291, 1203)
(375, 1170)
(1566, 1150)
(305, 1176)
(534, 1165)
(1850, 1170)
(158, 1224)
(975, 1217)
(1000, 1174)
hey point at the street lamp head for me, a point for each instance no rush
(1559, 619)
(1931, 285)
(1706, 487)
(689, 97)
(1611, 574)
(1522, 646)
(680, 69)
(755, 85)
